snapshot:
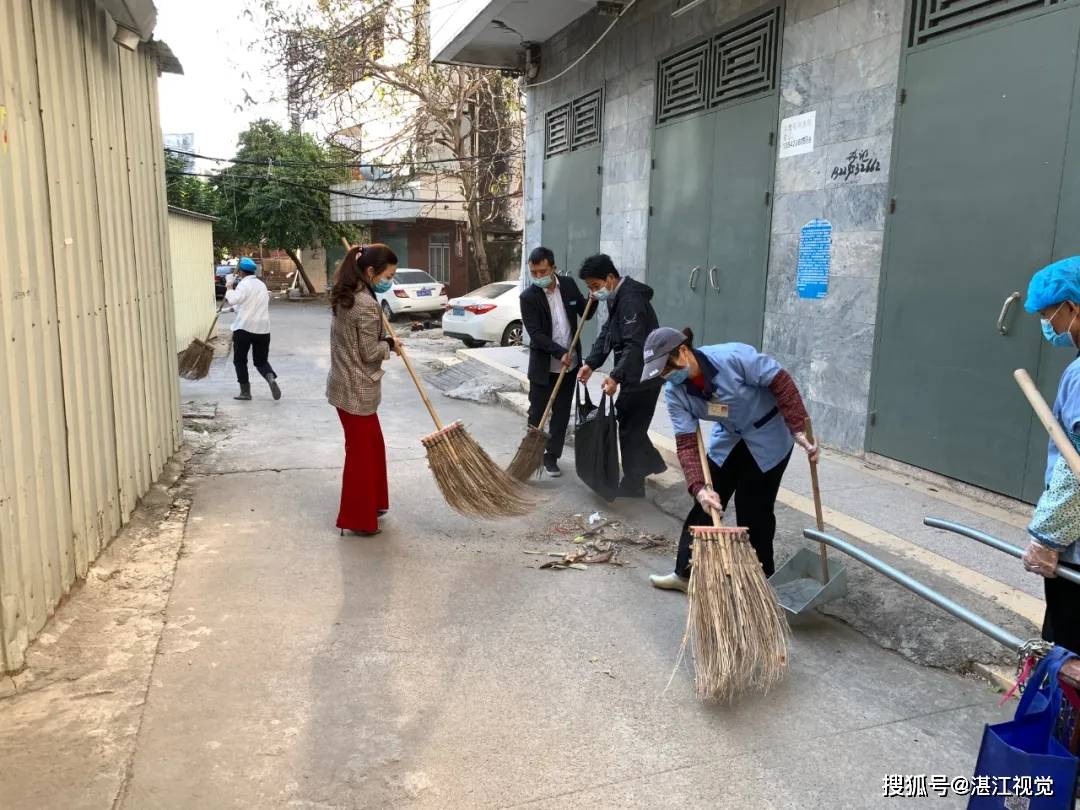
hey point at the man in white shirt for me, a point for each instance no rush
(250, 300)
(550, 309)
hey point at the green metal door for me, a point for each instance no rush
(742, 173)
(553, 228)
(717, 105)
(976, 179)
(571, 218)
(680, 201)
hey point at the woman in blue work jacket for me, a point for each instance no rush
(758, 416)
(1054, 293)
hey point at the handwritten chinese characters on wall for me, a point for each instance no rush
(857, 162)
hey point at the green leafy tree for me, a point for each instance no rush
(277, 192)
(192, 193)
(188, 192)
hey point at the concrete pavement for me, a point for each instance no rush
(436, 666)
(881, 508)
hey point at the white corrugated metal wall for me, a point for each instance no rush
(88, 390)
(191, 246)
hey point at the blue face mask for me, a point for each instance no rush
(382, 285)
(678, 376)
(542, 282)
(1062, 341)
(603, 294)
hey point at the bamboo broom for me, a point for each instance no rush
(194, 362)
(530, 452)
(469, 480)
(736, 627)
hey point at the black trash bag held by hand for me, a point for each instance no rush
(596, 444)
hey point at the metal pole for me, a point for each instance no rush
(994, 542)
(999, 634)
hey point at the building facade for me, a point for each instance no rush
(861, 188)
(89, 402)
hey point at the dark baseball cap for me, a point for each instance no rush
(658, 345)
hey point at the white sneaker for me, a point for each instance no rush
(670, 582)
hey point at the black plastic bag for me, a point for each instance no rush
(596, 444)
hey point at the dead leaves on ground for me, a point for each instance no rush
(596, 542)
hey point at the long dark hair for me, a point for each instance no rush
(350, 276)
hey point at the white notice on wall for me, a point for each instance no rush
(797, 134)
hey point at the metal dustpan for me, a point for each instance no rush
(808, 579)
(801, 585)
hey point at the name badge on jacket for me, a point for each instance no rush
(718, 409)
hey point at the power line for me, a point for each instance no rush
(328, 190)
(590, 49)
(359, 165)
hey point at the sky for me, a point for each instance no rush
(212, 40)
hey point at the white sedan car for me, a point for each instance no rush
(414, 293)
(491, 314)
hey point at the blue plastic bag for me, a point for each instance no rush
(1025, 747)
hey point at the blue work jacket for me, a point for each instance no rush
(737, 400)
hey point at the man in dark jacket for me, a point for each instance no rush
(630, 319)
(549, 312)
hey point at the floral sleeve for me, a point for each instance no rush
(1056, 522)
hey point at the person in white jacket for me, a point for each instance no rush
(250, 300)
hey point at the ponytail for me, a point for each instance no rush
(350, 276)
(686, 330)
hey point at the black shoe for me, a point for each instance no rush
(245, 392)
(271, 380)
(355, 533)
(632, 489)
(551, 467)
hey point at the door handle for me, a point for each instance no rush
(693, 278)
(1005, 307)
(713, 279)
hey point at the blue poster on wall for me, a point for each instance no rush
(815, 256)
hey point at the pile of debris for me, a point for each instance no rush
(596, 540)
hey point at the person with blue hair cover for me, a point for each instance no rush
(1054, 293)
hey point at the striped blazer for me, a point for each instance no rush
(357, 351)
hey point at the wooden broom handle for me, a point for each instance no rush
(213, 323)
(1046, 416)
(704, 456)
(808, 429)
(563, 370)
(404, 356)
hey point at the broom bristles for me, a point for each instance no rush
(738, 632)
(469, 480)
(529, 455)
(195, 360)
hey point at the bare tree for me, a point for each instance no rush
(360, 68)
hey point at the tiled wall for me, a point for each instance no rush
(840, 60)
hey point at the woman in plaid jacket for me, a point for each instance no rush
(358, 347)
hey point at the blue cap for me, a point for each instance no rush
(247, 265)
(1054, 284)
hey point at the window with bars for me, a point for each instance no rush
(574, 125)
(737, 63)
(931, 19)
(439, 256)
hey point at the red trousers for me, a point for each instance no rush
(364, 492)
